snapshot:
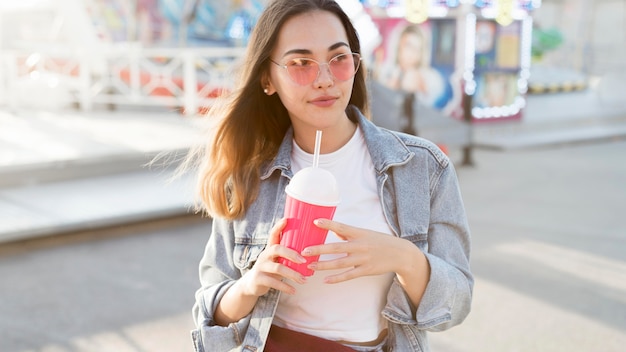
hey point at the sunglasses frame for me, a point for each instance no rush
(357, 64)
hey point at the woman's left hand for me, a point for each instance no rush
(367, 252)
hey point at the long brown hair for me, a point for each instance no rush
(253, 124)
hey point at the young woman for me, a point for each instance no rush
(396, 261)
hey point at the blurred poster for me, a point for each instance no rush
(497, 47)
(152, 26)
(418, 58)
(508, 46)
(165, 21)
(110, 18)
(485, 36)
(497, 63)
(495, 89)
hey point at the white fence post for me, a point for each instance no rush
(190, 83)
(135, 80)
(3, 79)
(11, 80)
(84, 72)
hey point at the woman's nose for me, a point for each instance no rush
(325, 78)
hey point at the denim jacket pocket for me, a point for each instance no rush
(246, 253)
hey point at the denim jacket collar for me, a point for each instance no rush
(379, 142)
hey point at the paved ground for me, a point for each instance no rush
(124, 289)
(69, 170)
(549, 243)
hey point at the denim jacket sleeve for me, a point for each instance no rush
(232, 249)
(218, 272)
(441, 231)
(448, 296)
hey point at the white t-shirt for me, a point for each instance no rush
(351, 310)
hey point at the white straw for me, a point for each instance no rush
(316, 153)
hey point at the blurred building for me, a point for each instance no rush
(594, 34)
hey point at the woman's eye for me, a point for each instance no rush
(341, 57)
(299, 62)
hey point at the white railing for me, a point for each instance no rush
(185, 78)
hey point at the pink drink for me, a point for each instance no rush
(311, 194)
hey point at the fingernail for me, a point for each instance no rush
(318, 222)
(306, 252)
(312, 266)
(301, 259)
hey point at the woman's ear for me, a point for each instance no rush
(268, 89)
(267, 86)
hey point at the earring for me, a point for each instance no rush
(266, 91)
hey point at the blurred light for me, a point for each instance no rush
(470, 87)
(416, 11)
(351, 7)
(526, 44)
(504, 11)
(395, 12)
(35, 75)
(522, 85)
(477, 3)
(526, 54)
(364, 25)
(438, 11)
(33, 59)
(378, 3)
(524, 73)
(500, 111)
(7, 5)
(470, 52)
(237, 28)
(495, 13)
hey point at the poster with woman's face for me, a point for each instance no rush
(418, 58)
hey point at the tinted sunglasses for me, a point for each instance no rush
(304, 71)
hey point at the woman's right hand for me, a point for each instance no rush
(267, 272)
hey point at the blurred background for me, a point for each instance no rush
(100, 99)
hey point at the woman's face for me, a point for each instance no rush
(320, 105)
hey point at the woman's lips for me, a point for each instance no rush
(324, 101)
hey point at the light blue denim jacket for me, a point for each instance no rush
(422, 203)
